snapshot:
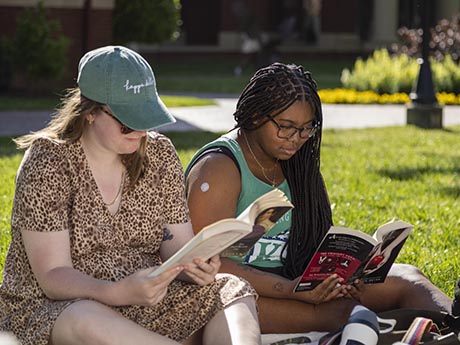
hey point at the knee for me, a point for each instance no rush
(81, 321)
(407, 282)
(406, 272)
(246, 306)
(251, 303)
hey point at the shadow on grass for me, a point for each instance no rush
(451, 130)
(404, 174)
(409, 174)
(451, 191)
(413, 173)
(452, 167)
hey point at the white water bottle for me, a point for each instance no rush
(362, 328)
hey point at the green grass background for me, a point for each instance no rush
(372, 175)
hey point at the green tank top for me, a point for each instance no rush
(267, 251)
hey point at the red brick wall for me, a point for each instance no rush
(98, 31)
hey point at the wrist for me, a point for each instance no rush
(109, 293)
(288, 289)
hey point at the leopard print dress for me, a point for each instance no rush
(55, 191)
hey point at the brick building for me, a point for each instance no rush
(212, 26)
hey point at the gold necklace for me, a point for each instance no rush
(272, 181)
(120, 189)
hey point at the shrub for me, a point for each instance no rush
(38, 49)
(145, 21)
(347, 96)
(446, 75)
(381, 73)
(385, 73)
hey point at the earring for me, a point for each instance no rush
(90, 121)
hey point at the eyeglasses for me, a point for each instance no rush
(286, 132)
(123, 128)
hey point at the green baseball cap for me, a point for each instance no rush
(124, 81)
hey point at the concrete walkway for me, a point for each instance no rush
(219, 118)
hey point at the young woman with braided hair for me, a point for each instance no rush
(276, 144)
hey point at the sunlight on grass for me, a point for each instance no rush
(406, 173)
(182, 101)
(9, 162)
(372, 175)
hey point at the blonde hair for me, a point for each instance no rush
(68, 124)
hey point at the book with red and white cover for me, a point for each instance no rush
(352, 254)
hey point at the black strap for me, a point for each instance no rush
(215, 149)
(453, 322)
(404, 317)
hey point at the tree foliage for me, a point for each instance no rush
(38, 49)
(145, 21)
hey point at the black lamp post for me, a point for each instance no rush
(424, 109)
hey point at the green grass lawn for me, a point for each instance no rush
(373, 176)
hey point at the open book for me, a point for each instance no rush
(233, 236)
(353, 255)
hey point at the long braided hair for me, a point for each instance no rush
(269, 92)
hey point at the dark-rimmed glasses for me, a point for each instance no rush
(286, 132)
(123, 128)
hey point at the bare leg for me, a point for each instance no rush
(289, 316)
(195, 339)
(90, 322)
(405, 287)
(236, 324)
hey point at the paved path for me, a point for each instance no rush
(219, 118)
